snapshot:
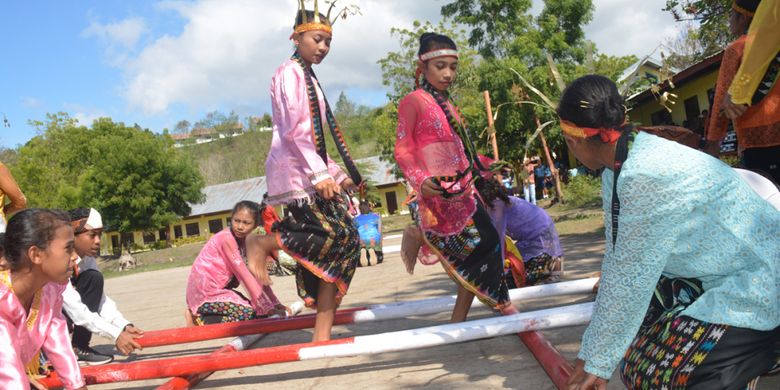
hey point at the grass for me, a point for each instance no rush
(395, 223)
(570, 220)
(182, 256)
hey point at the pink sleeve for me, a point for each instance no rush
(335, 171)
(295, 130)
(12, 373)
(230, 253)
(405, 145)
(58, 350)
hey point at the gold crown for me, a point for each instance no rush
(317, 23)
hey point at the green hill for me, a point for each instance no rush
(241, 157)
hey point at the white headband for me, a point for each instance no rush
(438, 53)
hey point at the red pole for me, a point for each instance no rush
(183, 383)
(189, 365)
(232, 329)
(554, 364)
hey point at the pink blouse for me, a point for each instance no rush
(215, 266)
(425, 147)
(22, 336)
(293, 166)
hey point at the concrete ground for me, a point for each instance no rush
(155, 300)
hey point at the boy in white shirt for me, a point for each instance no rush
(87, 308)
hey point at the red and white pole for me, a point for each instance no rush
(348, 316)
(361, 345)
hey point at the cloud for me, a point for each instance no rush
(623, 27)
(85, 115)
(227, 52)
(119, 37)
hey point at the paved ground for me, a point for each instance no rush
(155, 300)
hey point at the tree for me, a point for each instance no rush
(523, 55)
(137, 179)
(182, 127)
(686, 48)
(266, 120)
(344, 106)
(712, 18)
(494, 23)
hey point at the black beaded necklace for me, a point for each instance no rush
(316, 121)
(459, 128)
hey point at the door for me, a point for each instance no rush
(392, 202)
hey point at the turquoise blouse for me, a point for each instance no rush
(682, 214)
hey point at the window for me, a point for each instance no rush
(215, 225)
(149, 238)
(193, 229)
(163, 234)
(177, 231)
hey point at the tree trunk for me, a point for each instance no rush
(553, 170)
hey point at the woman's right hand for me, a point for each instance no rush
(327, 188)
(581, 380)
(430, 189)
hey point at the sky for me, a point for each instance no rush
(155, 63)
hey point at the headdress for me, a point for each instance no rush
(317, 23)
(745, 7)
(93, 222)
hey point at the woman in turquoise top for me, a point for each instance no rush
(690, 235)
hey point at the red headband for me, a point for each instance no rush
(609, 136)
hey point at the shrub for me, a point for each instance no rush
(583, 191)
(189, 240)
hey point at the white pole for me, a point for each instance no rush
(455, 333)
(436, 305)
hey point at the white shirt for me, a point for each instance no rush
(107, 322)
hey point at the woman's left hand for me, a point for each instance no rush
(581, 380)
(349, 185)
(731, 109)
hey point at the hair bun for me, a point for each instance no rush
(611, 111)
(426, 35)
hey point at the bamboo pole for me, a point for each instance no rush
(550, 163)
(524, 323)
(491, 124)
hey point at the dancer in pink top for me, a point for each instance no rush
(40, 255)
(220, 268)
(318, 233)
(434, 151)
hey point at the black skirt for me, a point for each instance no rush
(473, 259)
(323, 240)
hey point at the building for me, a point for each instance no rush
(695, 90)
(214, 213)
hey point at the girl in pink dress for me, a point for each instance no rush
(39, 259)
(438, 159)
(318, 233)
(219, 269)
